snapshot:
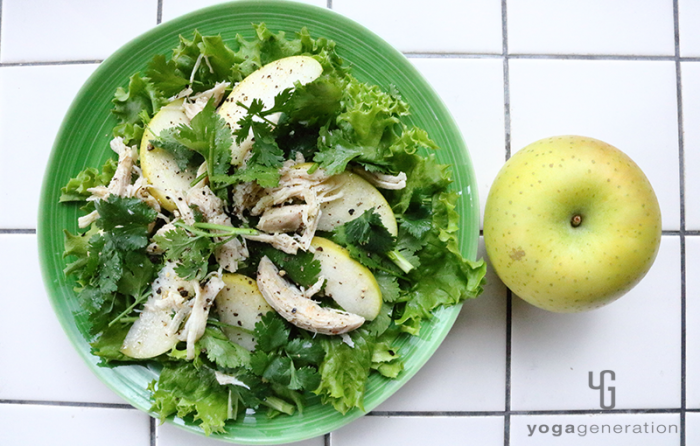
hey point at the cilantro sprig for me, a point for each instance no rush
(192, 246)
(208, 135)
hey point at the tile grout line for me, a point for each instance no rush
(509, 295)
(67, 404)
(329, 4)
(152, 428)
(412, 55)
(17, 231)
(159, 12)
(544, 412)
(50, 63)
(681, 187)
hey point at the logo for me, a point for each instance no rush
(602, 389)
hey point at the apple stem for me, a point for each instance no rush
(576, 221)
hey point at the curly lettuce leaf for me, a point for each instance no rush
(77, 188)
(344, 372)
(189, 391)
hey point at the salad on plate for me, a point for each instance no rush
(267, 232)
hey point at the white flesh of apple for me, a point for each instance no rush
(158, 165)
(348, 283)
(155, 331)
(358, 196)
(265, 84)
(240, 304)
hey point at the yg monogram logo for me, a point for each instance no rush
(602, 389)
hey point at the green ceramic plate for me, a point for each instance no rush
(83, 141)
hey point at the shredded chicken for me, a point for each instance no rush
(294, 206)
(120, 183)
(195, 104)
(294, 306)
(225, 379)
(383, 181)
(197, 322)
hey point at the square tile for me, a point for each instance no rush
(692, 322)
(655, 429)
(421, 431)
(690, 81)
(629, 104)
(472, 89)
(637, 337)
(169, 435)
(689, 33)
(439, 26)
(590, 27)
(49, 369)
(176, 8)
(467, 373)
(71, 29)
(72, 426)
(27, 133)
(692, 428)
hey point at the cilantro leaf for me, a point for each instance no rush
(271, 332)
(305, 351)
(263, 175)
(191, 253)
(223, 352)
(209, 135)
(118, 212)
(182, 155)
(369, 232)
(301, 267)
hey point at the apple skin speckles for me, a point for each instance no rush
(532, 243)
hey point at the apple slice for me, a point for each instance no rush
(240, 304)
(158, 165)
(156, 330)
(348, 282)
(358, 196)
(265, 84)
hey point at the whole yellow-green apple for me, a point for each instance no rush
(571, 224)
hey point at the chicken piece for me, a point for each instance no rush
(283, 242)
(232, 252)
(282, 219)
(296, 185)
(120, 184)
(294, 306)
(199, 101)
(383, 181)
(197, 322)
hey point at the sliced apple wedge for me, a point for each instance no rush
(156, 330)
(158, 165)
(348, 283)
(240, 304)
(358, 196)
(265, 84)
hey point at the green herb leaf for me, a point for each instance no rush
(223, 352)
(191, 253)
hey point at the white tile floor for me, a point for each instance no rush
(617, 70)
